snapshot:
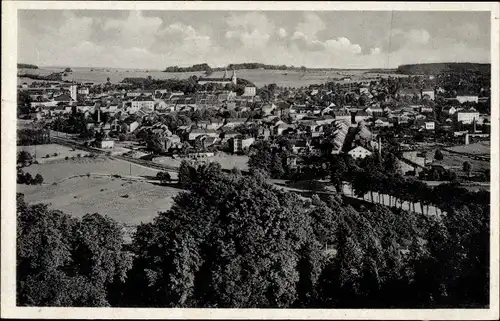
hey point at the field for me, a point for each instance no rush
(41, 151)
(287, 78)
(225, 160)
(58, 170)
(128, 200)
(482, 148)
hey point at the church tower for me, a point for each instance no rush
(233, 78)
(225, 74)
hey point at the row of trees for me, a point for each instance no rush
(233, 241)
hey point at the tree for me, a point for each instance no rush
(24, 158)
(232, 241)
(163, 177)
(467, 167)
(38, 180)
(438, 155)
(64, 261)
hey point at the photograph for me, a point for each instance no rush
(231, 157)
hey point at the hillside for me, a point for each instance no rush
(445, 67)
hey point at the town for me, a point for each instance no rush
(254, 159)
(418, 118)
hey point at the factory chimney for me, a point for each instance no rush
(380, 145)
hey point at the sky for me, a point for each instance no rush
(315, 39)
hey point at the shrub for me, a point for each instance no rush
(66, 158)
(38, 180)
(55, 154)
(47, 156)
(79, 155)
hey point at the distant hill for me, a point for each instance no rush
(446, 67)
(26, 66)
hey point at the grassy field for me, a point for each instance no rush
(41, 151)
(58, 170)
(480, 148)
(286, 78)
(225, 160)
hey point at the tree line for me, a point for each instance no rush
(236, 241)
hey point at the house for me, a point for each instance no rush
(83, 91)
(64, 98)
(130, 125)
(374, 111)
(301, 146)
(359, 152)
(409, 93)
(428, 93)
(382, 122)
(463, 99)
(142, 102)
(250, 91)
(238, 145)
(426, 109)
(342, 116)
(467, 116)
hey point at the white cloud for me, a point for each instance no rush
(375, 51)
(282, 32)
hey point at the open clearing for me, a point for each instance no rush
(286, 78)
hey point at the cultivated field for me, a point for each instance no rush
(285, 78)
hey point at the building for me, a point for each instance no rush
(359, 152)
(142, 102)
(429, 125)
(250, 91)
(239, 145)
(467, 117)
(73, 91)
(106, 143)
(429, 93)
(83, 91)
(463, 99)
(225, 80)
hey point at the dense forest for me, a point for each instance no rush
(198, 67)
(249, 65)
(236, 241)
(449, 67)
(26, 66)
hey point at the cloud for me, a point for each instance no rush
(282, 32)
(154, 40)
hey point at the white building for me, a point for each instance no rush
(359, 152)
(106, 143)
(250, 91)
(142, 103)
(428, 92)
(429, 125)
(467, 117)
(83, 91)
(463, 99)
(73, 92)
(239, 145)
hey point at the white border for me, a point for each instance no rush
(8, 114)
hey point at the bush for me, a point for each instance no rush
(38, 180)
(79, 155)
(66, 158)
(47, 156)
(55, 154)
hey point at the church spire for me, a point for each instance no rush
(233, 78)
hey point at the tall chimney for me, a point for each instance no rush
(98, 114)
(380, 145)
